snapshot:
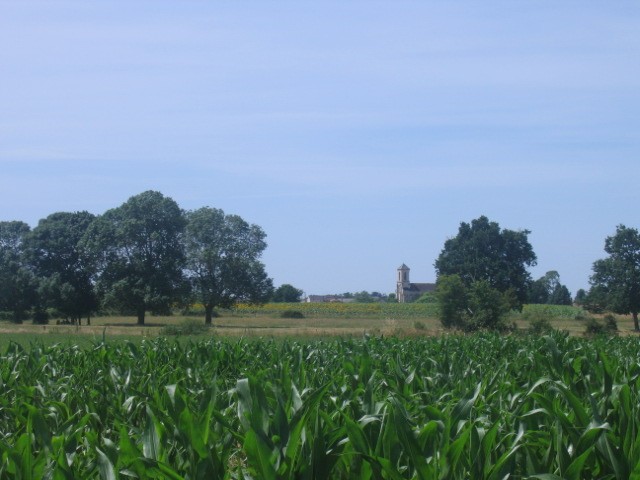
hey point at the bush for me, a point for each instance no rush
(452, 301)
(189, 326)
(291, 314)
(40, 317)
(610, 323)
(607, 327)
(419, 326)
(428, 297)
(539, 319)
(540, 325)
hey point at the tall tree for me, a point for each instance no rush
(482, 251)
(616, 279)
(548, 290)
(17, 283)
(64, 272)
(286, 293)
(581, 296)
(140, 254)
(560, 296)
(223, 260)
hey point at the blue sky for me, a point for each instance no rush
(357, 134)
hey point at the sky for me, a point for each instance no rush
(357, 134)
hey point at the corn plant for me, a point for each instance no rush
(453, 407)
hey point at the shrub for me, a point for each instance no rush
(189, 326)
(539, 319)
(419, 326)
(540, 325)
(428, 297)
(595, 327)
(40, 317)
(452, 301)
(610, 323)
(291, 314)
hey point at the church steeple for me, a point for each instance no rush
(403, 275)
(402, 282)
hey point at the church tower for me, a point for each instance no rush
(402, 282)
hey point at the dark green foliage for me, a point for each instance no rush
(364, 297)
(539, 323)
(40, 317)
(596, 300)
(64, 270)
(540, 326)
(487, 307)
(474, 307)
(452, 301)
(187, 327)
(560, 296)
(286, 293)
(139, 254)
(223, 260)
(292, 314)
(581, 296)
(482, 251)
(610, 322)
(18, 286)
(538, 292)
(608, 325)
(548, 290)
(594, 327)
(428, 297)
(616, 279)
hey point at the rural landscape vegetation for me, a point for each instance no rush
(150, 342)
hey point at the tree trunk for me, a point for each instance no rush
(208, 314)
(141, 316)
(636, 326)
(88, 319)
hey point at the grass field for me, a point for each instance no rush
(321, 320)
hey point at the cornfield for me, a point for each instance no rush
(453, 407)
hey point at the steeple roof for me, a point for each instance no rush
(403, 267)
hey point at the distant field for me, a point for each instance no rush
(321, 320)
(344, 310)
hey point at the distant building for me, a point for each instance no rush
(328, 298)
(408, 292)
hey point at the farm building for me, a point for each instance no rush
(328, 298)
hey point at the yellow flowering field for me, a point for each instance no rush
(341, 310)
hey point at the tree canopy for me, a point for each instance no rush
(482, 251)
(615, 282)
(223, 265)
(286, 293)
(64, 271)
(17, 283)
(471, 307)
(548, 290)
(140, 255)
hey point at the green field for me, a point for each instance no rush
(480, 406)
(320, 321)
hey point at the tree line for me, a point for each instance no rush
(482, 275)
(147, 255)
